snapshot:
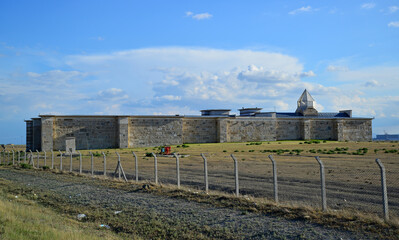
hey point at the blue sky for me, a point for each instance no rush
(179, 57)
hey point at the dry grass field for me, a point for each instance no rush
(352, 175)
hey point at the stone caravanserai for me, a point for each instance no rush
(52, 132)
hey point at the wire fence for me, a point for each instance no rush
(297, 180)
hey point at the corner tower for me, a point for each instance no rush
(306, 105)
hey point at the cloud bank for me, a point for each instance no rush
(184, 80)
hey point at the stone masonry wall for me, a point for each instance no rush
(153, 131)
(323, 129)
(95, 132)
(251, 129)
(47, 133)
(290, 129)
(357, 130)
(90, 132)
(199, 130)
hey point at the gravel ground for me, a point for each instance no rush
(85, 191)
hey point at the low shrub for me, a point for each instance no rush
(148, 154)
(25, 166)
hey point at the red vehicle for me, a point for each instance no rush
(165, 150)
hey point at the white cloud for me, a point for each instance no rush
(199, 16)
(113, 94)
(56, 77)
(307, 74)
(393, 24)
(372, 83)
(262, 75)
(367, 106)
(386, 75)
(333, 68)
(203, 78)
(169, 98)
(112, 109)
(368, 5)
(301, 10)
(393, 9)
(186, 80)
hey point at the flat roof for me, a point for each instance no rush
(206, 110)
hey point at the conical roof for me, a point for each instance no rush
(306, 97)
(306, 104)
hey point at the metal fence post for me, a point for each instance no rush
(119, 166)
(52, 159)
(136, 166)
(275, 185)
(2, 155)
(236, 175)
(37, 158)
(205, 173)
(70, 161)
(8, 157)
(19, 157)
(384, 190)
(31, 158)
(25, 156)
(60, 160)
(45, 158)
(177, 169)
(92, 164)
(13, 161)
(105, 164)
(155, 168)
(80, 162)
(323, 185)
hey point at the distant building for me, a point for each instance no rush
(50, 132)
(387, 137)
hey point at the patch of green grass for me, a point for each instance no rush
(132, 223)
(25, 166)
(21, 218)
(314, 141)
(148, 154)
(254, 143)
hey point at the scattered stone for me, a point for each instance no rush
(81, 216)
(105, 226)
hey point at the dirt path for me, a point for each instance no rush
(228, 223)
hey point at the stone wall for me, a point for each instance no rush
(357, 130)
(289, 129)
(90, 132)
(96, 132)
(251, 129)
(199, 130)
(155, 131)
(47, 133)
(323, 129)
